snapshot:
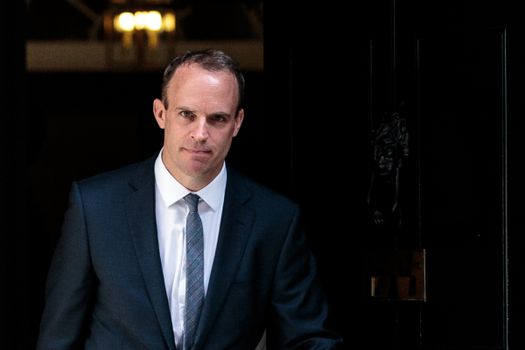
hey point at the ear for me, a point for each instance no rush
(238, 122)
(159, 111)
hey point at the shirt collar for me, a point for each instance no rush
(172, 191)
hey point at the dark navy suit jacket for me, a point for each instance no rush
(105, 287)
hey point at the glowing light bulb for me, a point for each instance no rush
(124, 22)
(153, 21)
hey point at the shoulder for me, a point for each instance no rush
(120, 179)
(258, 194)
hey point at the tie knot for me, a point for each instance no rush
(193, 202)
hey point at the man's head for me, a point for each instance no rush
(212, 60)
(200, 113)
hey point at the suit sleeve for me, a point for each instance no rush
(70, 283)
(300, 310)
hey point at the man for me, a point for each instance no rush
(120, 279)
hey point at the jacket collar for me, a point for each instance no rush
(236, 225)
(140, 209)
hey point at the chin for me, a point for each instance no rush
(198, 170)
(201, 167)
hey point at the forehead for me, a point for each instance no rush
(193, 74)
(192, 79)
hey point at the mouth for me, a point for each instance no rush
(198, 153)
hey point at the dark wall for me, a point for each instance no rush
(453, 70)
(316, 70)
(13, 239)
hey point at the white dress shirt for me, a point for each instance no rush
(171, 211)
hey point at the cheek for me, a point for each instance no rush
(227, 140)
(173, 131)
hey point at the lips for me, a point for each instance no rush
(197, 151)
(198, 154)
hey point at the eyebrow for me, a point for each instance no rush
(183, 108)
(223, 114)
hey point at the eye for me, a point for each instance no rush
(218, 118)
(187, 114)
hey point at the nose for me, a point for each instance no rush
(200, 130)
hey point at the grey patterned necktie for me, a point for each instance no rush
(194, 270)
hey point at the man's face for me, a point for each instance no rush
(199, 123)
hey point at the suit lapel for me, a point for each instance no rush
(235, 228)
(140, 207)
